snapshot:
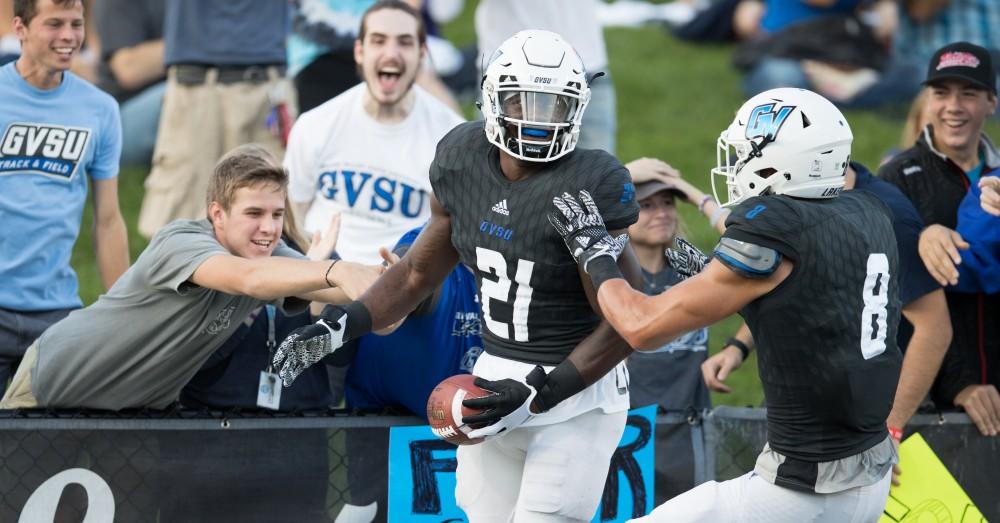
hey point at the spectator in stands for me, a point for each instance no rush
(936, 174)
(58, 131)
(237, 378)
(835, 48)
(669, 377)
(395, 374)
(131, 69)
(321, 57)
(225, 62)
(140, 343)
(577, 22)
(924, 26)
(337, 158)
(239, 374)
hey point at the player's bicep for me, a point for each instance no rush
(432, 255)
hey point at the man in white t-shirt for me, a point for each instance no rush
(366, 153)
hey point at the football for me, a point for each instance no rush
(445, 410)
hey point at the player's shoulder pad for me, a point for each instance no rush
(465, 134)
(747, 259)
(764, 213)
(594, 165)
(462, 146)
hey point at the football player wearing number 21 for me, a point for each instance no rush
(813, 272)
(561, 394)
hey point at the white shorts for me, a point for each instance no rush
(550, 473)
(751, 498)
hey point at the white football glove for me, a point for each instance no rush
(583, 230)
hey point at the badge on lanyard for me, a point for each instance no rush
(269, 388)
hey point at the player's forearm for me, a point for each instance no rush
(404, 286)
(599, 353)
(111, 248)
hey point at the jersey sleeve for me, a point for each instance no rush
(175, 254)
(452, 150)
(768, 222)
(615, 195)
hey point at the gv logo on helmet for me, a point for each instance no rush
(765, 121)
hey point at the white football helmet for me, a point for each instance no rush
(534, 94)
(786, 141)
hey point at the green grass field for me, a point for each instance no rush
(674, 99)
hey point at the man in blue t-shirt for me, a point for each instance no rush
(56, 131)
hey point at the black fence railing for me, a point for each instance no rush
(196, 466)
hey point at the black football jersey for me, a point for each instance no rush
(534, 307)
(826, 336)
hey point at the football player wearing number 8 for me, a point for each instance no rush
(813, 272)
(557, 369)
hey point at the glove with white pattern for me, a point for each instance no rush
(583, 229)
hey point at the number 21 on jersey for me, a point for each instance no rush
(492, 262)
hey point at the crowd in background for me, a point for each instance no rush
(326, 96)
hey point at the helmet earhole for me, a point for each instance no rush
(788, 176)
(753, 185)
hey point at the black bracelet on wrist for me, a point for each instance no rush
(327, 275)
(744, 350)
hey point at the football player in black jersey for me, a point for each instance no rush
(813, 272)
(561, 389)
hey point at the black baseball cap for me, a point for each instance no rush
(963, 61)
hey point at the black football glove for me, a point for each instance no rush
(583, 230)
(685, 258)
(307, 345)
(507, 408)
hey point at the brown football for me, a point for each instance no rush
(445, 409)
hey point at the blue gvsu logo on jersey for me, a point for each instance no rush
(765, 121)
(52, 150)
(387, 195)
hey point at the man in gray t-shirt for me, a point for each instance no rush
(140, 343)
